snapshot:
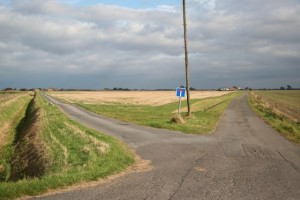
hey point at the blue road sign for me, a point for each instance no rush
(180, 92)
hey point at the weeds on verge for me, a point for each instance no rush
(283, 123)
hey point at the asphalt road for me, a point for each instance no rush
(243, 159)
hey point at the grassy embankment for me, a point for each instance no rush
(63, 151)
(206, 113)
(281, 109)
(12, 109)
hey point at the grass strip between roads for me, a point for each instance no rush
(281, 109)
(74, 153)
(206, 113)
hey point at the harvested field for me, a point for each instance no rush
(282, 101)
(154, 98)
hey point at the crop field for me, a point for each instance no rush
(287, 102)
(281, 109)
(155, 108)
(42, 149)
(152, 98)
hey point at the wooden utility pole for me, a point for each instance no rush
(187, 76)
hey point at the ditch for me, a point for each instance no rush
(29, 158)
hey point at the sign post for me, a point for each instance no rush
(180, 92)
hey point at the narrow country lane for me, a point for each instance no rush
(243, 159)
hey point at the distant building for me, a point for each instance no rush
(52, 89)
(223, 89)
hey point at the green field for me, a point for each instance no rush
(65, 152)
(206, 113)
(281, 109)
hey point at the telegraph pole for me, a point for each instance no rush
(187, 77)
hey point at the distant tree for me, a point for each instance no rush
(9, 89)
(288, 87)
(191, 88)
(282, 88)
(121, 89)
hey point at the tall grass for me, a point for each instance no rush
(75, 153)
(12, 110)
(206, 113)
(284, 101)
(280, 109)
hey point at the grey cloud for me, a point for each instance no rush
(37, 7)
(250, 43)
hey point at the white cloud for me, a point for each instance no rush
(167, 8)
(230, 42)
(206, 4)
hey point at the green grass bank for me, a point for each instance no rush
(69, 153)
(280, 109)
(12, 110)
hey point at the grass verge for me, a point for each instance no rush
(12, 110)
(280, 109)
(75, 154)
(206, 113)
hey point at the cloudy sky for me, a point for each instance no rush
(139, 43)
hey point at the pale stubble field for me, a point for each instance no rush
(153, 98)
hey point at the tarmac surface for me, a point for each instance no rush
(243, 159)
